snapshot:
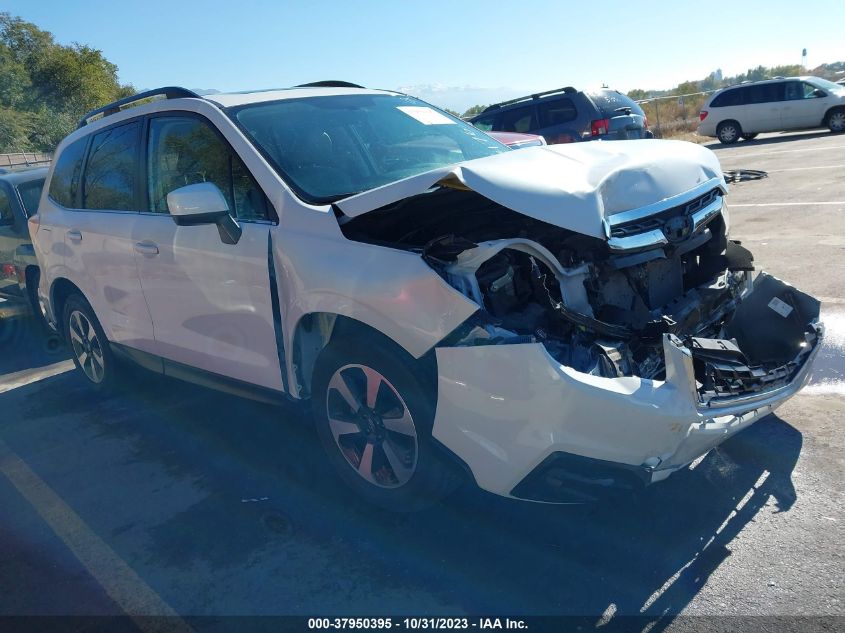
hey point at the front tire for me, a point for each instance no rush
(728, 132)
(373, 406)
(89, 346)
(749, 137)
(836, 120)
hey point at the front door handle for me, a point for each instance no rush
(74, 235)
(146, 248)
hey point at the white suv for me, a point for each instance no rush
(795, 103)
(550, 321)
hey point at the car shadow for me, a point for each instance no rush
(266, 485)
(26, 344)
(785, 137)
(265, 488)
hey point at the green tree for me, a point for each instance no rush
(45, 87)
(476, 109)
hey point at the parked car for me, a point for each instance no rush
(20, 190)
(567, 115)
(773, 105)
(548, 322)
(514, 140)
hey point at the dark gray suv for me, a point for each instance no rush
(20, 190)
(567, 115)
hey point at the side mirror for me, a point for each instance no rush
(203, 203)
(818, 92)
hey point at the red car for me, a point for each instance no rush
(517, 140)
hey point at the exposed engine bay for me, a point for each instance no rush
(603, 310)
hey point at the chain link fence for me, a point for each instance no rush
(673, 115)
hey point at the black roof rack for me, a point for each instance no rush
(329, 83)
(168, 92)
(566, 90)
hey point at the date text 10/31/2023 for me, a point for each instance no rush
(417, 623)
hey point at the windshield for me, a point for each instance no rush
(330, 147)
(818, 82)
(30, 194)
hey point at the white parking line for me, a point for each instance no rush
(737, 154)
(29, 376)
(774, 171)
(121, 583)
(789, 204)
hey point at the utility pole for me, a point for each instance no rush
(803, 58)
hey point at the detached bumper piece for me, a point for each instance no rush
(724, 370)
(771, 335)
(528, 426)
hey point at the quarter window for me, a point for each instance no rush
(728, 98)
(556, 112)
(185, 151)
(30, 193)
(64, 183)
(112, 168)
(519, 120)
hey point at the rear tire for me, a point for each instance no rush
(749, 137)
(89, 346)
(728, 132)
(373, 406)
(836, 120)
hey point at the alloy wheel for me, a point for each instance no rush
(728, 134)
(836, 122)
(86, 346)
(372, 426)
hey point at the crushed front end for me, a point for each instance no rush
(596, 363)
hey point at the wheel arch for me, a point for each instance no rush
(724, 121)
(315, 330)
(830, 111)
(60, 290)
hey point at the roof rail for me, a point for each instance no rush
(329, 83)
(168, 92)
(537, 95)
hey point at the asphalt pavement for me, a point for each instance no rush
(172, 499)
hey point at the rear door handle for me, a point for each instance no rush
(146, 248)
(74, 235)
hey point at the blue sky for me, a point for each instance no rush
(453, 53)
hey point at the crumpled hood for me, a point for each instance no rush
(573, 186)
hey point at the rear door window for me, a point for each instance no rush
(519, 120)
(764, 93)
(184, 150)
(64, 184)
(111, 173)
(556, 111)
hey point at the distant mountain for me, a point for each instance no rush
(460, 98)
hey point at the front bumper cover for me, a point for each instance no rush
(504, 409)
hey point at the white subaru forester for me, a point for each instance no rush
(550, 321)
